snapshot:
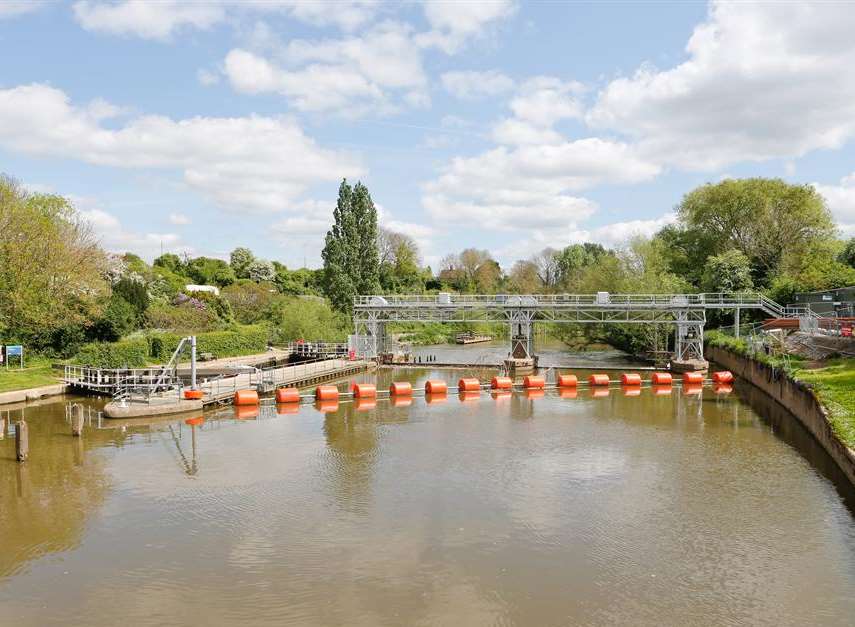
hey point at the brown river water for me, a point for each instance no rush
(655, 509)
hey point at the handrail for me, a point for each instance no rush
(721, 299)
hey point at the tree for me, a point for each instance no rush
(239, 260)
(847, 255)
(133, 292)
(171, 262)
(261, 270)
(573, 259)
(351, 259)
(762, 218)
(548, 267)
(399, 261)
(210, 271)
(727, 272)
(523, 278)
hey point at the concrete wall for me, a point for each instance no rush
(797, 397)
(18, 396)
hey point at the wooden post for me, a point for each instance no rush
(2, 427)
(22, 441)
(77, 421)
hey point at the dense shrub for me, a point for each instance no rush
(242, 341)
(183, 317)
(125, 354)
(310, 319)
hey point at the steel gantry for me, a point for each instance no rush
(687, 312)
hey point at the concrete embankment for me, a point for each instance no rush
(32, 394)
(798, 398)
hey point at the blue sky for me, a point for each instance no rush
(504, 125)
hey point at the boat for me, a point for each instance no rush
(472, 338)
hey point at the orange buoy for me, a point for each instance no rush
(327, 406)
(195, 422)
(366, 403)
(326, 393)
(723, 376)
(502, 383)
(470, 395)
(661, 390)
(469, 384)
(287, 408)
(533, 382)
(630, 378)
(567, 380)
(692, 389)
(568, 392)
(287, 395)
(246, 397)
(401, 388)
(534, 392)
(402, 401)
(722, 388)
(364, 390)
(632, 390)
(193, 395)
(661, 378)
(246, 412)
(693, 377)
(436, 387)
(599, 392)
(599, 379)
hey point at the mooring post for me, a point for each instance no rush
(22, 441)
(77, 420)
(193, 362)
(2, 427)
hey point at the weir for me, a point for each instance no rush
(686, 312)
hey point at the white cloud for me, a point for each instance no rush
(472, 85)
(179, 219)
(14, 8)
(243, 164)
(539, 104)
(207, 77)
(762, 80)
(350, 76)
(116, 238)
(162, 19)
(841, 200)
(455, 23)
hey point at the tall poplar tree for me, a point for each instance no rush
(351, 259)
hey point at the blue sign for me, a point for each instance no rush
(14, 349)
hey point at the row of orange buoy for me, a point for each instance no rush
(467, 385)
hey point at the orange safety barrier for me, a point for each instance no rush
(364, 390)
(599, 379)
(567, 392)
(327, 406)
(599, 392)
(661, 378)
(722, 376)
(630, 378)
(693, 389)
(195, 422)
(502, 383)
(722, 388)
(632, 390)
(287, 408)
(469, 384)
(193, 395)
(246, 397)
(468, 396)
(326, 393)
(287, 395)
(567, 380)
(533, 382)
(401, 388)
(401, 401)
(366, 403)
(693, 378)
(436, 387)
(534, 392)
(246, 412)
(661, 390)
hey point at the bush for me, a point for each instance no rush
(181, 317)
(126, 354)
(243, 341)
(310, 319)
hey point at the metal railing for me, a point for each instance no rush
(271, 377)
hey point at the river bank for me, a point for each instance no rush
(797, 397)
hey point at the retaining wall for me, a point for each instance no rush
(32, 394)
(798, 398)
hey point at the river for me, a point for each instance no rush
(648, 509)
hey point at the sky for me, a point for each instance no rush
(201, 126)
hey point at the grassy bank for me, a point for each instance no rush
(833, 383)
(37, 373)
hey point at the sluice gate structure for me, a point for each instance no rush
(686, 312)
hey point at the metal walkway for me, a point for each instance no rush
(686, 311)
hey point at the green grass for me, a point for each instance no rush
(834, 384)
(37, 372)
